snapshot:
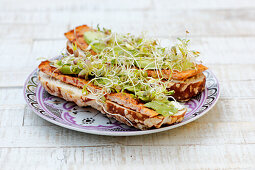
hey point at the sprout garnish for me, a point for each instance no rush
(121, 63)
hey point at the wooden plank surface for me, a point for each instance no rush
(116, 5)
(134, 157)
(224, 33)
(51, 25)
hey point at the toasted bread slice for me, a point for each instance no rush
(82, 46)
(184, 90)
(178, 75)
(120, 98)
(186, 84)
(132, 116)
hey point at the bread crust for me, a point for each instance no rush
(185, 90)
(177, 75)
(75, 36)
(69, 47)
(78, 32)
(109, 108)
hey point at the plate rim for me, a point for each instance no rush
(119, 133)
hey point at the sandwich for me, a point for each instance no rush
(132, 79)
(187, 77)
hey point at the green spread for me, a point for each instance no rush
(95, 39)
(163, 107)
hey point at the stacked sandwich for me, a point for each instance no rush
(130, 78)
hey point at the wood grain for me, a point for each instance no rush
(131, 157)
(133, 5)
(45, 25)
(193, 134)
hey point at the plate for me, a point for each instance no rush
(89, 120)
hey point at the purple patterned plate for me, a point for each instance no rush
(88, 120)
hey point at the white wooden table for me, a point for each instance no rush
(224, 32)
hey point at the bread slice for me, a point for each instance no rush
(184, 90)
(121, 111)
(124, 99)
(76, 37)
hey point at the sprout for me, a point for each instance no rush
(121, 64)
